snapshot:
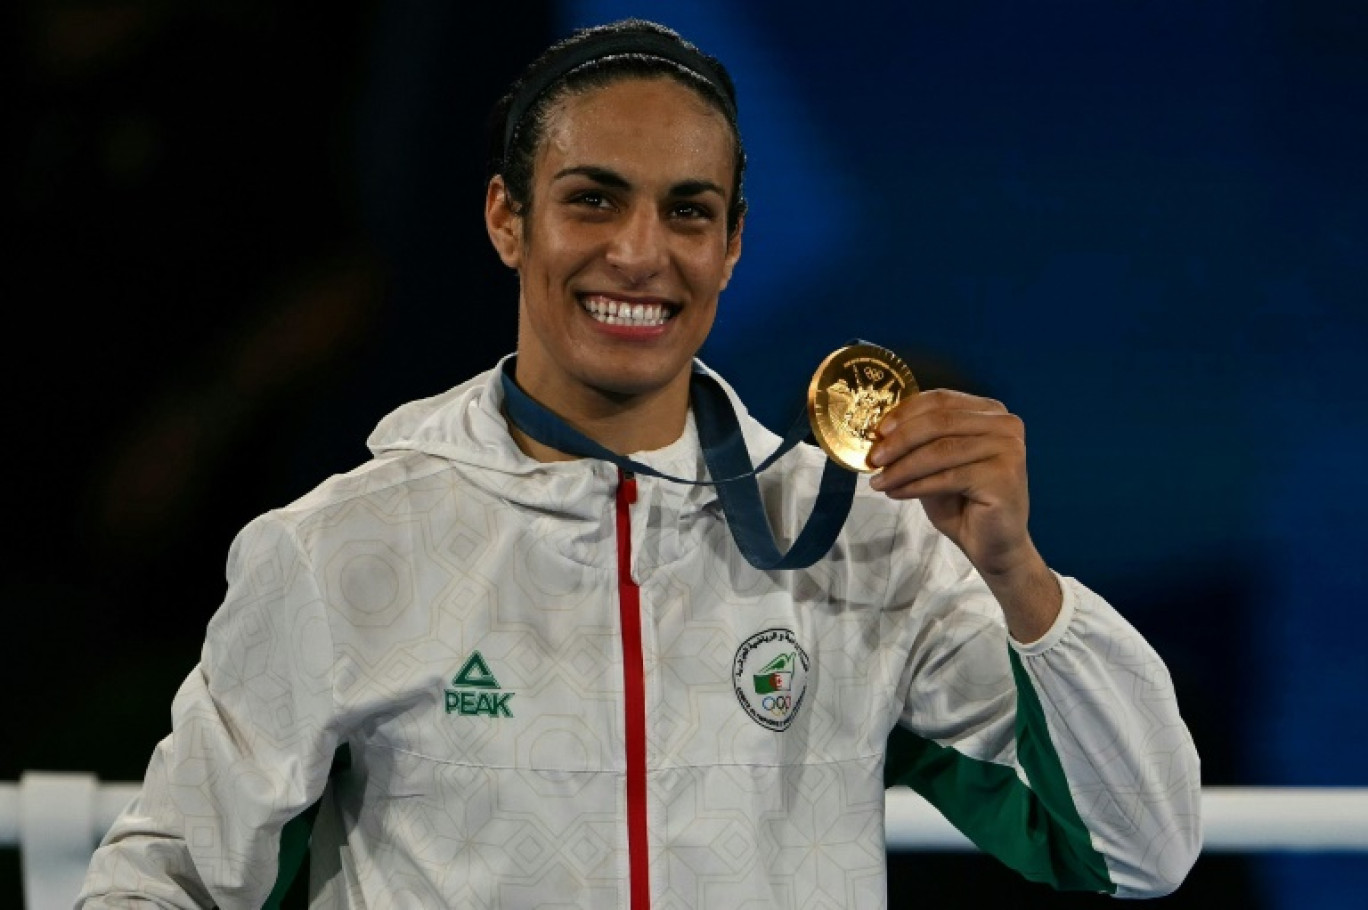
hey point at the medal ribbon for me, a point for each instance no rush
(729, 466)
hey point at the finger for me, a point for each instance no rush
(973, 481)
(947, 454)
(922, 429)
(940, 399)
(992, 482)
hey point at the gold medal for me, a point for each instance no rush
(849, 394)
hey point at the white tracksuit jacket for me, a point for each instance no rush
(522, 720)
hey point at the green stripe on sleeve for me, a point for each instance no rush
(1034, 830)
(295, 837)
(294, 847)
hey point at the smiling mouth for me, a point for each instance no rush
(621, 312)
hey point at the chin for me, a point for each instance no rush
(636, 380)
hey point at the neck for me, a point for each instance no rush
(622, 424)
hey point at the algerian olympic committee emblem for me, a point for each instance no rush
(770, 677)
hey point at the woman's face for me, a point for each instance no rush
(624, 249)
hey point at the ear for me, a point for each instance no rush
(505, 226)
(733, 252)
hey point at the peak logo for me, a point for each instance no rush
(474, 691)
(770, 677)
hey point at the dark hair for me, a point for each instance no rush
(591, 58)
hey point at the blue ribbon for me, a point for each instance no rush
(729, 466)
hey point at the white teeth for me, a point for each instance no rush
(611, 312)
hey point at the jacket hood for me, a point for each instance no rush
(466, 425)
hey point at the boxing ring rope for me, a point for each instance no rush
(55, 819)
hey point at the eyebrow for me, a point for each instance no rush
(610, 178)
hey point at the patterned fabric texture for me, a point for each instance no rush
(449, 613)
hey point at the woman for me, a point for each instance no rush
(486, 671)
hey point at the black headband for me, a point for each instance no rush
(595, 48)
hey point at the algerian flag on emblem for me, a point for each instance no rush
(775, 676)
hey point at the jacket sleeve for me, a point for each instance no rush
(253, 738)
(1065, 758)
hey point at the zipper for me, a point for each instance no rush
(633, 700)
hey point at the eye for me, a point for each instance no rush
(594, 199)
(691, 211)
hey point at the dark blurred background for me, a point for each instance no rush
(242, 231)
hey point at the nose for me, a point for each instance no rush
(638, 247)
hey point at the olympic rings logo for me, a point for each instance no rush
(777, 704)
